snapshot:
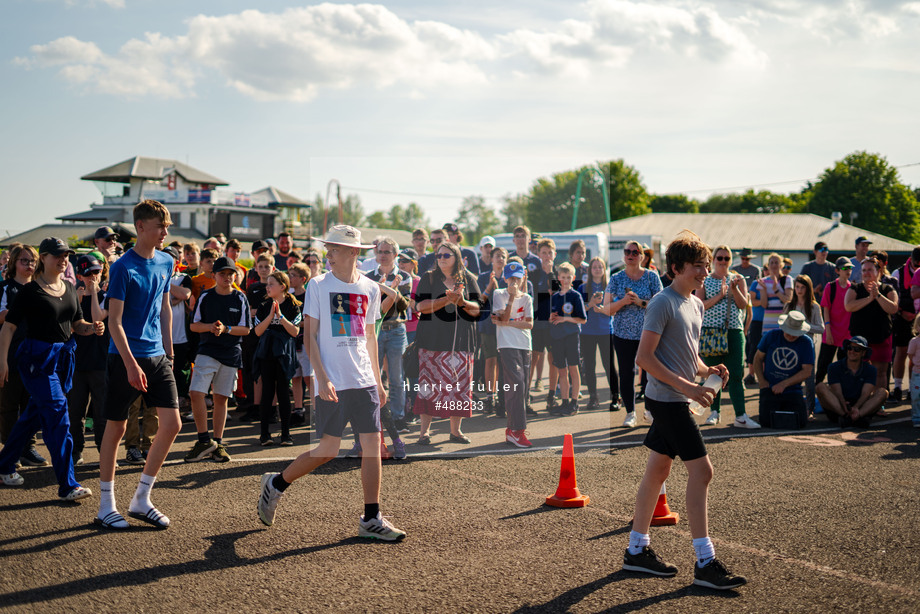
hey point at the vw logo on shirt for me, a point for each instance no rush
(785, 359)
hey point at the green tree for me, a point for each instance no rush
(674, 203)
(866, 184)
(377, 219)
(514, 210)
(409, 217)
(550, 201)
(477, 219)
(763, 201)
(352, 213)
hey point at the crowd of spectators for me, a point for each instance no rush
(466, 331)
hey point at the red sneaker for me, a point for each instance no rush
(517, 438)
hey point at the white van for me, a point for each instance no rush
(597, 243)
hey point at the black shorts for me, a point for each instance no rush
(540, 339)
(902, 331)
(566, 351)
(674, 432)
(161, 386)
(360, 406)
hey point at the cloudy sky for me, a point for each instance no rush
(429, 101)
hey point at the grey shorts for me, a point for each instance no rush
(211, 373)
(360, 406)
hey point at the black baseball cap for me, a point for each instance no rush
(451, 227)
(223, 264)
(88, 263)
(862, 239)
(409, 254)
(104, 232)
(258, 244)
(172, 251)
(55, 247)
(844, 263)
(535, 237)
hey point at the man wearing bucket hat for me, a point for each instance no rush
(340, 310)
(784, 359)
(850, 397)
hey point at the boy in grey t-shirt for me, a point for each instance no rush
(668, 352)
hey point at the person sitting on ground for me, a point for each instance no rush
(850, 397)
(785, 358)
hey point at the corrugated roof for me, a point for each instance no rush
(280, 197)
(151, 168)
(91, 215)
(759, 231)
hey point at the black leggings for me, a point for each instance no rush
(275, 382)
(626, 350)
(589, 347)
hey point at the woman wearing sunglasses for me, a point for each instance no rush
(447, 299)
(626, 298)
(725, 297)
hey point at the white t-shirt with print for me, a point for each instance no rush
(509, 336)
(345, 312)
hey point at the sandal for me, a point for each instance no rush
(460, 439)
(77, 493)
(153, 516)
(424, 440)
(112, 521)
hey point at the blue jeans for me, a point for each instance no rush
(391, 342)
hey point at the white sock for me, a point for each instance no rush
(141, 501)
(106, 498)
(705, 551)
(898, 381)
(638, 541)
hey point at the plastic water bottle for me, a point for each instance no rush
(714, 381)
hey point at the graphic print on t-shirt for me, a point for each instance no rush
(785, 359)
(348, 314)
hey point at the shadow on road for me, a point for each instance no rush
(221, 555)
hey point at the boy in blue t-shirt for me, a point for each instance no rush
(566, 317)
(785, 358)
(140, 361)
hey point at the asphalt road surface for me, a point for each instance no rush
(818, 520)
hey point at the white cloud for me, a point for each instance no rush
(298, 53)
(115, 4)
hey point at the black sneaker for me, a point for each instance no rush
(648, 562)
(569, 408)
(297, 417)
(894, 398)
(614, 406)
(714, 575)
(593, 403)
(134, 457)
(31, 458)
(750, 381)
(551, 402)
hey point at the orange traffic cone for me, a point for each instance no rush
(385, 453)
(567, 494)
(663, 516)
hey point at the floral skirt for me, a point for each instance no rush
(445, 384)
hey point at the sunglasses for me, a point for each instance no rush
(445, 256)
(311, 261)
(380, 251)
(822, 249)
(631, 252)
(723, 258)
(436, 241)
(404, 261)
(858, 350)
(787, 268)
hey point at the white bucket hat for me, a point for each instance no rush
(793, 323)
(348, 236)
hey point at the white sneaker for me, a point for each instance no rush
(268, 499)
(379, 528)
(648, 416)
(745, 422)
(11, 479)
(630, 419)
(713, 419)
